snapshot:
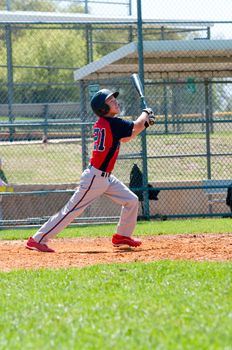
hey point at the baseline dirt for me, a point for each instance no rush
(80, 252)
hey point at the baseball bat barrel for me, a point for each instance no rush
(139, 88)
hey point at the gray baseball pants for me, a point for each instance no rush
(93, 184)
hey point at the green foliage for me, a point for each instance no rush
(54, 54)
(157, 32)
(162, 305)
(28, 5)
(112, 39)
(43, 48)
(51, 48)
(75, 8)
(42, 5)
(108, 41)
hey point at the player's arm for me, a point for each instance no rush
(140, 124)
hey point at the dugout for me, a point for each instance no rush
(165, 59)
(190, 62)
(164, 62)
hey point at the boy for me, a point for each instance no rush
(97, 179)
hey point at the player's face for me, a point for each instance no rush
(114, 106)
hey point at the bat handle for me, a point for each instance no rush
(143, 102)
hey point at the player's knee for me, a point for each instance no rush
(134, 201)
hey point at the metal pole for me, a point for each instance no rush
(162, 33)
(140, 41)
(208, 150)
(207, 116)
(165, 107)
(130, 8)
(143, 134)
(211, 106)
(86, 6)
(83, 126)
(130, 38)
(8, 5)
(87, 43)
(87, 34)
(10, 83)
(90, 43)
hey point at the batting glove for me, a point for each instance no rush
(148, 110)
(151, 118)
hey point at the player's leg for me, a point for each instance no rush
(122, 195)
(91, 187)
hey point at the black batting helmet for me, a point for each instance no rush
(98, 101)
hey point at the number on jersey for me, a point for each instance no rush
(99, 139)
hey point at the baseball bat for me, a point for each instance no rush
(139, 88)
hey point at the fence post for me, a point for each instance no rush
(45, 115)
(207, 117)
(83, 125)
(165, 106)
(10, 84)
(143, 134)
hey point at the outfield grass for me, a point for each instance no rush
(143, 228)
(34, 163)
(161, 305)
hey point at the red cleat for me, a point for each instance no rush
(40, 247)
(119, 240)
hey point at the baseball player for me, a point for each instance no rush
(109, 131)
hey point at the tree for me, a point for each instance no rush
(108, 40)
(48, 51)
(44, 6)
(29, 5)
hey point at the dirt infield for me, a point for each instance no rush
(79, 252)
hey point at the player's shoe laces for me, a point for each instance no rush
(40, 247)
(119, 240)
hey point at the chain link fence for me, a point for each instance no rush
(46, 121)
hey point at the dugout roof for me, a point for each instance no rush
(165, 59)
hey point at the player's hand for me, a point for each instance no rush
(148, 110)
(151, 118)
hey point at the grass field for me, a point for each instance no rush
(166, 305)
(34, 163)
(169, 227)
